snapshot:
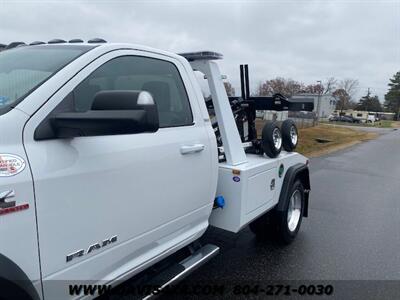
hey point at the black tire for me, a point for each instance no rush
(287, 127)
(267, 139)
(274, 224)
(10, 291)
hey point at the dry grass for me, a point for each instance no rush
(377, 124)
(339, 138)
(395, 124)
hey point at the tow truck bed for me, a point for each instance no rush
(250, 189)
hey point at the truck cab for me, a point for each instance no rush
(109, 164)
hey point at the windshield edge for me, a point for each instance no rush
(9, 107)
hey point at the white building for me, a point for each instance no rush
(324, 105)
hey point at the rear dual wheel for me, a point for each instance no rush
(274, 139)
(290, 135)
(271, 140)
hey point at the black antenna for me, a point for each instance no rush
(246, 76)
(242, 84)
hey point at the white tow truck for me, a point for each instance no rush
(111, 160)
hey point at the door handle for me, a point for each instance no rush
(192, 149)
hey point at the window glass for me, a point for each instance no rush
(160, 78)
(23, 69)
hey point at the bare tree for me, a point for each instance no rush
(342, 99)
(290, 87)
(329, 85)
(350, 86)
(347, 88)
(326, 87)
(314, 89)
(230, 90)
(286, 87)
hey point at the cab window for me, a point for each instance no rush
(158, 77)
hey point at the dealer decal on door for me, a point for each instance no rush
(92, 248)
(11, 165)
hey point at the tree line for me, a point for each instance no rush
(343, 91)
(392, 97)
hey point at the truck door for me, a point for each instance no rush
(108, 204)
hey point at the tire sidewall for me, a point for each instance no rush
(286, 139)
(288, 235)
(267, 140)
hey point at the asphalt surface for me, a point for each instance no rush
(351, 239)
(352, 232)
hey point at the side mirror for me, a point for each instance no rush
(112, 113)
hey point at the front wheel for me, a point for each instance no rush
(282, 225)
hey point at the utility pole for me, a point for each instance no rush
(366, 105)
(319, 99)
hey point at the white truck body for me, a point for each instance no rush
(257, 191)
(124, 202)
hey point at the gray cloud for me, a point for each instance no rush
(303, 40)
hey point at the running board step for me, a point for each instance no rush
(179, 271)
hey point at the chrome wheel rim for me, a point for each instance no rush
(277, 138)
(293, 135)
(294, 210)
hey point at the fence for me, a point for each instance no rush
(301, 118)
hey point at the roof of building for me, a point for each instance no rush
(298, 98)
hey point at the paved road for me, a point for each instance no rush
(353, 231)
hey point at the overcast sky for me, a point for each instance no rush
(303, 40)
